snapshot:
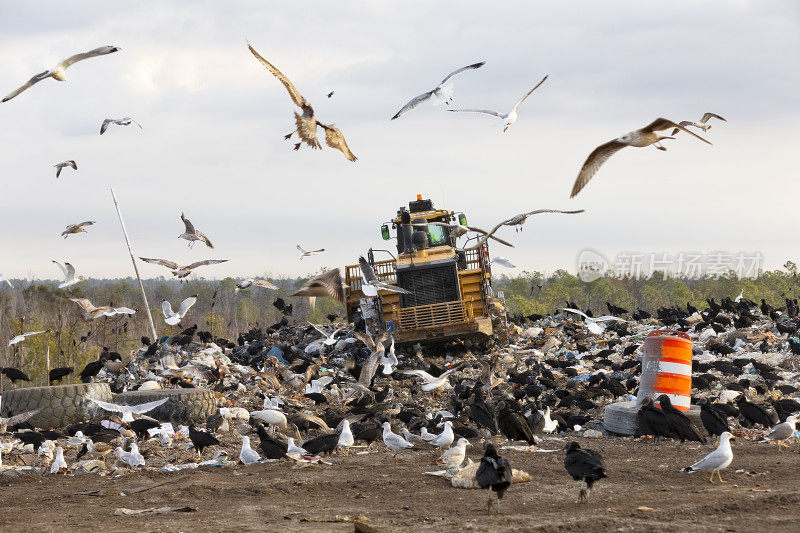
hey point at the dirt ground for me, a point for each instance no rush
(394, 494)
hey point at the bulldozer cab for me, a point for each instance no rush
(449, 287)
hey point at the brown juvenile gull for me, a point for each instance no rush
(90, 312)
(58, 73)
(60, 166)
(306, 124)
(247, 283)
(638, 138)
(443, 92)
(191, 234)
(326, 284)
(701, 124)
(127, 121)
(519, 220)
(510, 117)
(76, 228)
(181, 271)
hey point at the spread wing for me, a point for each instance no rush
(34, 80)
(166, 308)
(63, 269)
(369, 368)
(306, 126)
(414, 102)
(20, 418)
(135, 409)
(368, 341)
(188, 224)
(335, 139)
(487, 111)
(707, 116)
(186, 305)
(663, 124)
(577, 312)
(172, 265)
(462, 69)
(83, 303)
(326, 284)
(205, 262)
(87, 223)
(420, 373)
(366, 270)
(103, 50)
(537, 211)
(529, 93)
(593, 163)
(297, 98)
(264, 283)
(70, 271)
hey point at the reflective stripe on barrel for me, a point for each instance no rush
(669, 368)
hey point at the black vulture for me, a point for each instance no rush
(585, 466)
(494, 473)
(34, 438)
(324, 444)
(201, 439)
(513, 425)
(14, 374)
(270, 447)
(57, 374)
(651, 421)
(715, 422)
(141, 425)
(482, 414)
(680, 424)
(91, 370)
(754, 414)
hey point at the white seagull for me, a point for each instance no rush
(453, 457)
(511, 116)
(345, 436)
(550, 425)
(128, 410)
(427, 437)
(638, 138)
(781, 432)
(76, 228)
(302, 252)
(595, 325)
(247, 283)
(90, 312)
(58, 73)
(192, 235)
(2, 279)
(701, 124)
(291, 447)
(171, 317)
(370, 283)
(517, 221)
(430, 382)
(127, 121)
(69, 272)
(445, 438)
(392, 440)
(443, 92)
(502, 261)
(389, 361)
(60, 166)
(248, 455)
(23, 336)
(181, 271)
(59, 462)
(717, 460)
(330, 339)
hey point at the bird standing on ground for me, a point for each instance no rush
(248, 455)
(585, 466)
(715, 422)
(345, 436)
(57, 72)
(511, 116)
(453, 457)
(446, 437)
(443, 92)
(494, 473)
(306, 124)
(781, 431)
(638, 138)
(127, 121)
(392, 440)
(76, 228)
(679, 424)
(201, 439)
(717, 460)
(60, 166)
(193, 235)
(59, 462)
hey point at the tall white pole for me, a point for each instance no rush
(135, 268)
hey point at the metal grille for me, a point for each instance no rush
(430, 316)
(428, 285)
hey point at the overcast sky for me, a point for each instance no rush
(214, 119)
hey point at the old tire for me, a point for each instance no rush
(620, 418)
(61, 405)
(185, 406)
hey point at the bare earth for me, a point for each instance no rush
(395, 495)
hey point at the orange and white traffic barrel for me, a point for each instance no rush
(667, 368)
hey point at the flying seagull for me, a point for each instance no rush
(192, 235)
(2, 279)
(717, 460)
(638, 138)
(90, 312)
(171, 317)
(23, 336)
(57, 72)
(76, 228)
(430, 382)
(701, 124)
(307, 122)
(69, 272)
(60, 166)
(457, 230)
(17, 419)
(301, 252)
(502, 261)
(594, 324)
(443, 92)
(129, 410)
(371, 283)
(181, 271)
(518, 221)
(126, 121)
(511, 116)
(247, 283)
(326, 284)
(330, 94)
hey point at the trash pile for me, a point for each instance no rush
(300, 393)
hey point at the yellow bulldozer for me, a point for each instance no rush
(449, 294)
